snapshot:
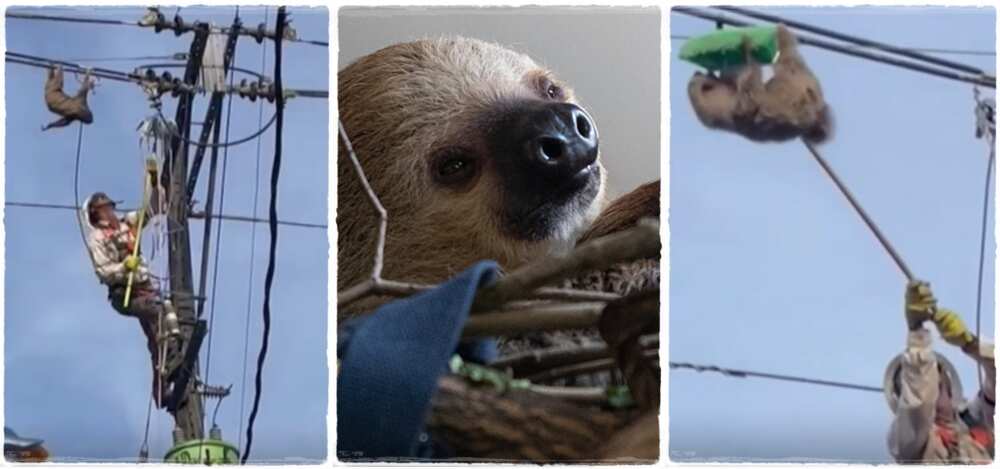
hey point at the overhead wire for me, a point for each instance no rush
(253, 251)
(273, 228)
(736, 373)
(109, 22)
(195, 215)
(988, 81)
(853, 39)
(131, 77)
(930, 50)
(218, 232)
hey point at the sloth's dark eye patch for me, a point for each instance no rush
(454, 166)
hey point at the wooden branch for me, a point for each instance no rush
(533, 361)
(517, 425)
(580, 368)
(548, 317)
(376, 204)
(639, 242)
(404, 289)
(622, 325)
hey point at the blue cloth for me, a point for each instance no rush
(390, 363)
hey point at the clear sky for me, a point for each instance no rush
(771, 270)
(78, 373)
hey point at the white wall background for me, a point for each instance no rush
(610, 56)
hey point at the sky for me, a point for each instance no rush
(77, 373)
(771, 270)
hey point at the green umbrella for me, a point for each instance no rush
(723, 48)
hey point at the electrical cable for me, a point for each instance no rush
(218, 233)
(75, 19)
(931, 50)
(196, 215)
(273, 228)
(987, 81)
(853, 39)
(734, 373)
(253, 252)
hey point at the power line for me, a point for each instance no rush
(253, 252)
(107, 22)
(131, 77)
(279, 105)
(196, 215)
(735, 373)
(931, 50)
(984, 80)
(853, 39)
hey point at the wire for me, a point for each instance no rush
(253, 251)
(125, 77)
(218, 233)
(734, 373)
(175, 134)
(75, 19)
(972, 52)
(984, 120)
(196, 215)
(853, 39)
(273, 215)
(70, 19)
(987, 81)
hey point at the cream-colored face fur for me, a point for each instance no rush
(428, 121)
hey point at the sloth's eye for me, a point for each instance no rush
(554, 91)
(454, 167)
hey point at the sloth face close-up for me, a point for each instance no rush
(476, 151)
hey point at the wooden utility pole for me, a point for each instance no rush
(183, 401)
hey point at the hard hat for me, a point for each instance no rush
(893, 372)
(96, 201)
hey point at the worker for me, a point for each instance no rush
(111, 242)
(933, 424)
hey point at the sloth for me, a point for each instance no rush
(475, 151)
(69, 108)
(789, 105)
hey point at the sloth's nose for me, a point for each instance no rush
(561, 140)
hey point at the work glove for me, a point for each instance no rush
(952, 328)
(152, 168)
(920, 303)
(131, 263)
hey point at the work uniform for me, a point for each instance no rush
(109, 247)
(918, 434)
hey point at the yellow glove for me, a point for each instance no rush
(131, 263)
(952, 328)
(151, 167)
(920, 303)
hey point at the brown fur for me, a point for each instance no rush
(69, 108)
(789, 105)
(398, 106)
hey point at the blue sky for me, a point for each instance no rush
(771, 270)
(77, 373)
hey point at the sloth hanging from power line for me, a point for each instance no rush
(789, 105)
(69, 108)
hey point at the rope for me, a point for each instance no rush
(253, 251)
(734, 373)
(76, 192)
(273, 215)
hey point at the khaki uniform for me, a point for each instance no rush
(917, 435)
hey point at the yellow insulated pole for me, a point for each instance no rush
(138, 229)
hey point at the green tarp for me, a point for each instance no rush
(723, 48)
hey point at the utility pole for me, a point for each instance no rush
(183, 402)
